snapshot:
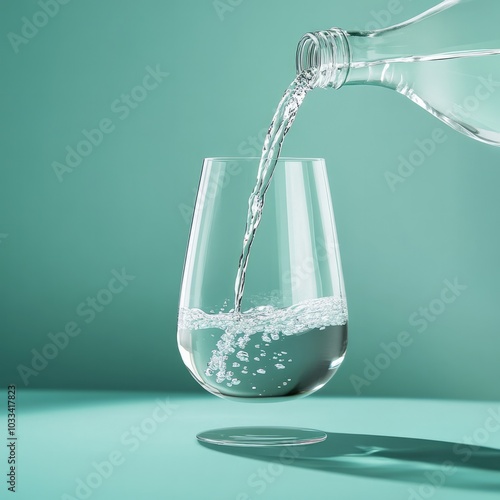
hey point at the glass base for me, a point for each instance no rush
(261, 436)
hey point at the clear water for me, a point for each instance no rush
(266, 352)
(282, 121)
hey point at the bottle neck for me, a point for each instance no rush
(339, 57)
(327, 53)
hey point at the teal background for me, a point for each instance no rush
(127, 204)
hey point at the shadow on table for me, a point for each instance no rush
(429, 463)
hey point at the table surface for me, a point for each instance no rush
(112, 445)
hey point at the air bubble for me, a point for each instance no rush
(236, 328)
(242, 356)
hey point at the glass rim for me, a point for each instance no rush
(280, 158)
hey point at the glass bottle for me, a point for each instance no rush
(446, 60)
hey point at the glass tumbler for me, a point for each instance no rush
(290, 335)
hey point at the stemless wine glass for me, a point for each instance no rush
(290, 335)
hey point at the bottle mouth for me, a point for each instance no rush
(326, 54)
